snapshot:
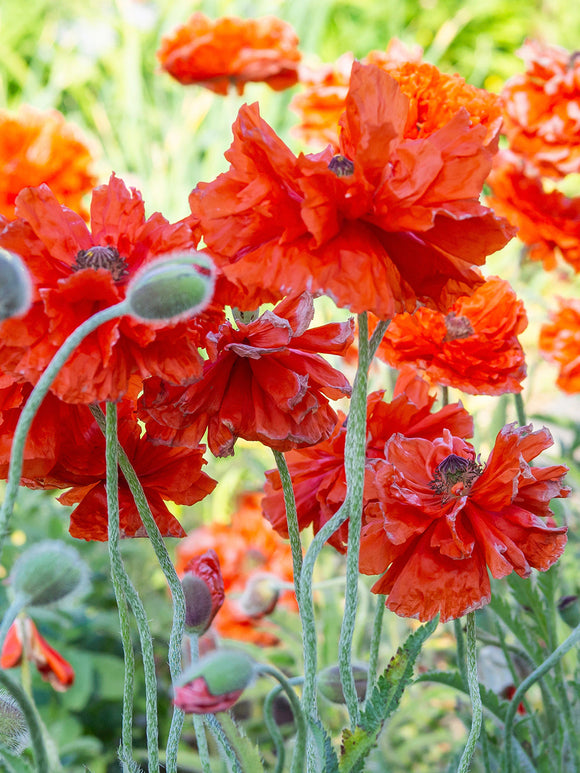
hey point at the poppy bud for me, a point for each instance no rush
(260, 595)
(24, 640)
(569, 609)
(214, 683)
(175, 287)
(330, 686)
(203, 586)
(48, 573)
(14, 734)
(15, 286)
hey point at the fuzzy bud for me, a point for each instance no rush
(214, 683)
(48, 573)
(15, 285)
(177, 286)
(203, 587)
(569, 609)
(14, 734)
(260, 595)
(330, 686)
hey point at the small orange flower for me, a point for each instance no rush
(473, 348)
(435, 97)
(232, 51)
(560, 343)
(24, 640)
(542, 109)
(41, 147)
(247, 547)
(548, 223)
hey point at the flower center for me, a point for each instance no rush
(102, 257)
(455, 476)
(341, 166)
(457, 327)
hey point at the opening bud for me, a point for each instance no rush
(177, 286)
(14, 734)
(329, 684)
(203, 587)
(260, 595)
(214, 683)
(15, 285)
(49, 572)
(569, 609)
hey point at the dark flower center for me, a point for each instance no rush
(455, 476)
(457, 328)
(341, 166)
(103, 257)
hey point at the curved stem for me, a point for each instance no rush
(476, 706)
(354, 466)
(124, 587)
(33, 403)
(299, 756)
(291, 515)
(222, 739)
(375, 643)
(525, 686)
(274, 730)
(198, 719)
(460, 640)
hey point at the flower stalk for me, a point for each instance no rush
(474, 694)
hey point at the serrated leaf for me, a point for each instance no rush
(324, 746)
(383, 700)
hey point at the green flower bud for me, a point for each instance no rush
(223, 671)
(569, 609)
(329, 684)
(15, 285)
(175, 287)
(48, 573)
(14, 736)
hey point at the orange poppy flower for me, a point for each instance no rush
(435, 97)
(542, 109)
(42, 147)
(263, 381)
(231, 51)
(247, 547)
(388, 222)
(560, 343)
(24, 640)
(77, 272)
(548, 223)
(317, 472)
(441, 519)
(473, 348)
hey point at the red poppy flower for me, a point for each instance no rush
(560, 343)
(542, 109)
(262, 382)
(172, 474)
(24, 640)
(317, 472)
(388, 222)
(441, 520)
(246, 547)
(77, 272)
(435, 97)
(196, 698)
(473, 348)
(41, 147)
(548, 222)
(203, 586)
(232, 51)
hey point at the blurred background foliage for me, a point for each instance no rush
(95, 61)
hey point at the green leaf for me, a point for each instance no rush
(383, 700)
(324, 746)
(490, 700)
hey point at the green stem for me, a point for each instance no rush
(377, 337)
(33, 403)
(274, 730)
(34, 722)
(298, 764)
(375, 643)
(177, 597)
(520, 409)
(222, 739)
(354, 466)
(525, 686)
(476, 707)
(124, 587)
(459, 638)
(10, 616)
(198, 719)
(291, 516)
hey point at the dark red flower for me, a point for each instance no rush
(77, 272)
(263, 381)
(215, 682)
(24, 640)
(195, 698)
(203, 586)
(473, 348)
(441, 519)
(231, 52)
(399, 223)
(317, 472)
